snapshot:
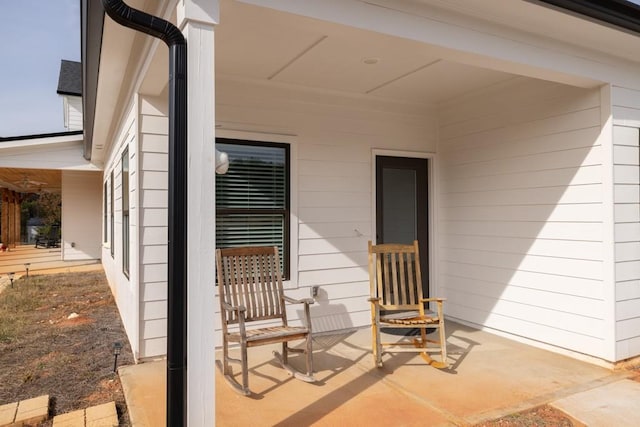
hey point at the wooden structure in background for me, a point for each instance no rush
(10, 218)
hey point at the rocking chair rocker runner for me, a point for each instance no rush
(396, 302)
(250, 286)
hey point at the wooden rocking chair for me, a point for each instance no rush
(250, 285)
(396, 302)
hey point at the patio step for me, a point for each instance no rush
(104, 415)
(25, 412)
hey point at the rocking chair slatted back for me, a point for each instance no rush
(395, 276)
(250, 288)
(251, 278)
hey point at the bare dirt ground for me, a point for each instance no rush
(45, 351)
(541, 416)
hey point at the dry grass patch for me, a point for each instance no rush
(43, 351)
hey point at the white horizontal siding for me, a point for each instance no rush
(538, 298)
(124, 288)
(575, 212)
(156, 291)
(73, 112)
(581, 250)
(320, 230)
(561, 266)
(515, 324)
(520, 226)
(626, 159)
(153, 234)
(521, 180)
(154, 347)
(578, 231)
(567, 285)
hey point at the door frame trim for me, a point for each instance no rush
(432, 198)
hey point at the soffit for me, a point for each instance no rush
(264, 44)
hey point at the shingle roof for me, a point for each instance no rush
(70, 80)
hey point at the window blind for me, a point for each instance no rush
(252, 198)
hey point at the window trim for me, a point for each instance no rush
(105, 213)
(289, 270)
(112, 220)
(126, 237)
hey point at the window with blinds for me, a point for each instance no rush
(252, 198)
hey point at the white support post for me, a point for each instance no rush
(196, 19)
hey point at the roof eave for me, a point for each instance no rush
(92, 23)
(620, 14)
(62, 92)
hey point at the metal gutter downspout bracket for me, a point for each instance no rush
(177, 209)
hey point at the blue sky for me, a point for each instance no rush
(36, 35)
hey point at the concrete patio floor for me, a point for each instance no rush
(490, 377)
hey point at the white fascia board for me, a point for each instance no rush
(61, 156)
(46, 141)
(469, 40)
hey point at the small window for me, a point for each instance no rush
(252, 198)
(125, 212)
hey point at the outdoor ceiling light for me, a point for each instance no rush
(11, 275)
(26, 267)
(117, 347)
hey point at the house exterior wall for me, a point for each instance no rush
(626, 164)
(81, 210)
(124, 287)
(521, 225)
(333, 216)
(153, 195)
(72, 107)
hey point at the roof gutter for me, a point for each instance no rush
(177, 210)
(621, 14)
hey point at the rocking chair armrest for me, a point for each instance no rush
(374, 300)
(298, 301)
(432, 299)
(229, 307)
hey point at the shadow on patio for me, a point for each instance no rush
(490, 377)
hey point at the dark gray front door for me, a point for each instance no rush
(402, 205)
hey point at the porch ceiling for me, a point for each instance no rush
(264, 44)
(31, 180)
